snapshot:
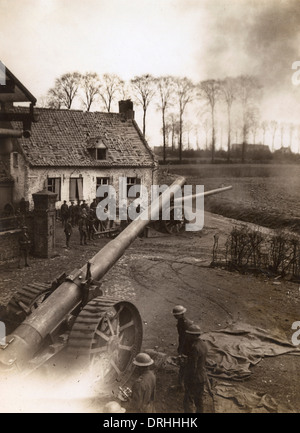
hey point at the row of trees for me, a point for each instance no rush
(88, 88)
(269, 133)
(171, 95)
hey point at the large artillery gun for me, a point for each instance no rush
(73, 316)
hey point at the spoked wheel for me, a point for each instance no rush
(173, 225)
(106, 336)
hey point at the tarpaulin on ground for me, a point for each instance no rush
(233, 350)
(230, 397)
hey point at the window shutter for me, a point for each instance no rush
(57, 187)
(80, 188)
(72, 189)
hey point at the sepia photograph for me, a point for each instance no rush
(150, 209)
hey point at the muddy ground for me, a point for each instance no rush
(161, 271)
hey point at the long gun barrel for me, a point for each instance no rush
(27, 339)
(204, 194)
(10, 133)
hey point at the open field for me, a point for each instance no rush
(264, 194)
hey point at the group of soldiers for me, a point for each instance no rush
(192, 377)
(82, 215)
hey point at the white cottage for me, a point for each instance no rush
(72, 153)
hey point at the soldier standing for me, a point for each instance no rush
(82, 227)
(24, 243)
(91, 219)
(72, 213)
(64, 212)
(182, 325)
(194, 372)
(144, 388)
(94, 205)
(68, 231)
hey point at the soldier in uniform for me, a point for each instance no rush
(194, 371)
(84, 205)
(72, 213)
(91, 221)
(64, 212)
(94, 204)
(83, 227)
(24, 243)
(68, 231)
(182, 325)
(144, 388)
(77, 212)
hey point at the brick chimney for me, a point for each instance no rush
(126, 109)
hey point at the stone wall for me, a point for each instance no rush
(9, 246)
(9, 241)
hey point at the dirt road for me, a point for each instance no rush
(161, 271)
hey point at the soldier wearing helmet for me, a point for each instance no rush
(194, 372)
(144, 388)
(182, 325)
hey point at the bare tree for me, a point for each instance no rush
(173, 126)
(248, 91)
(273, 129)
(207, 127)
(64, 91)
(210, 91)
(188, 126)
(236, 127)
(282, 133)
(264, 127)
(91, 88)
(228, 88)
(196, 132)
(165, 86)
(144, 89)
(253, 122)
(184, 93)
(111, 85)
(124, 91)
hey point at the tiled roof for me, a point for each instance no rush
(63, 137)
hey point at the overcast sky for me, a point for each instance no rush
(200, 39)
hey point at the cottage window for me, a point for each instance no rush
(101, 181)
(76, 188)
(54, 185)
(101, 154)
(131, 181)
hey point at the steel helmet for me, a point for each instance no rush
(179, 309)
(193, 329)
(113, 407)
(143, 360)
